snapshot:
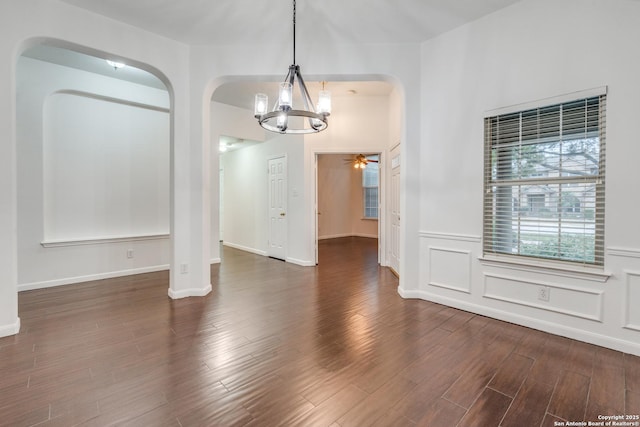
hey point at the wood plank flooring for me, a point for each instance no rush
(278, 344)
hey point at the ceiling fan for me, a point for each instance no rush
(360, 161)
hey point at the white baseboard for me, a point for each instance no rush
(90, 277)
(245, 249)
(301, 262)
(215, 261)
(11, 329)
(185, 293)
(339, 236)
(334, 236)
(529, 322)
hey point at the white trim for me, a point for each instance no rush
(11, 329)
(340, 236)
(627, 307)
(335, 236)
(301, 262)
(567, 97)
(547, 268)
(190, 292)
(624, 252)
(547, 307)
(245, 248)
(215, 261)
(366, 236)
(84, 94)
(449, 287)
(450, 236)
(102, 240)
(395, 161)
(430, 282)
(89, 278)
(529, 322)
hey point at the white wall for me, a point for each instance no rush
(90, 166)
(29, 22)
(192, 74)
(340, 195)
(246, 195)
(533, 50)
(334, 196)
(226, 120)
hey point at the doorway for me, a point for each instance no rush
(348, 199)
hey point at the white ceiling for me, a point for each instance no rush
(235, 22)
(224, 22)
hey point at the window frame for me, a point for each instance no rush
(493, 209)
(365, 187)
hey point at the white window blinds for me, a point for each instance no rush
(370, 180)
(544, 182)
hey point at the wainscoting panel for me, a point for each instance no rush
(450, 269)
(573, 301)
(632, 314)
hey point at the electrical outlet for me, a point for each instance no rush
(129, 253)
(543, 293)
(184, 268)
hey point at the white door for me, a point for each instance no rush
(221, 205)
(277, 245)
(394, 250)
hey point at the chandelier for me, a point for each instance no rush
(284, 118)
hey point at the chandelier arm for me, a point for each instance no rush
(269, 122)
(306, 98)
(291, 75)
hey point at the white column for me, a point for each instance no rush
(9, 321)
(190, 221)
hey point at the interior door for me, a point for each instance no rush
(394, 250)
(277, 244)
(221, 205)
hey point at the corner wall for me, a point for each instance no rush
(533, 50)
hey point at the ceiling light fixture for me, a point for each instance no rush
(115, 65)
(283, 118)
(361, 161)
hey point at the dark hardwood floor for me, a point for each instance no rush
(277, 344)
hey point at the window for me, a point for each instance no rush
(370, 188)
(544, 182)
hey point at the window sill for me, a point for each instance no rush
(369, 219)
(584, 273)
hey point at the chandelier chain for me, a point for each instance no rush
(294, 31)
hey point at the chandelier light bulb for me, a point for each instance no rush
(261, 104)
(281, 122)
(324, 102)
(285, 96)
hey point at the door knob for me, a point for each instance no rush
(282, 214)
